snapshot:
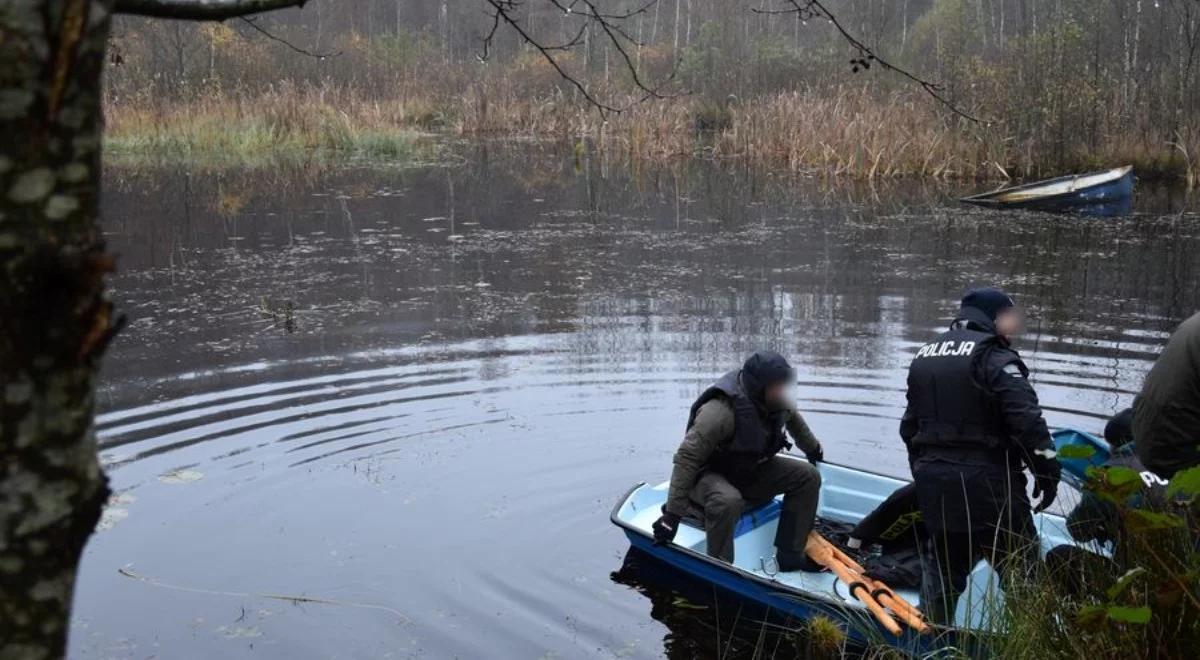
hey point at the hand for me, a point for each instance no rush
(815, 455)
(665, 528)
(1045, 488)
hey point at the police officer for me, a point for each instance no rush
(1098, 519)
(727, 461)
(972, 424)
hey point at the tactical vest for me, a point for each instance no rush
(754, 437)
(955, 414)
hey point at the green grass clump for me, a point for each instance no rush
(826, 639)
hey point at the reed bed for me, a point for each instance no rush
(844, 131)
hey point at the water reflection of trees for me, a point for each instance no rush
(694, 261)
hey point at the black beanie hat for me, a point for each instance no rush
(989, 300)
(1119, 430)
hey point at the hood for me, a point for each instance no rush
(763, 369)
(975, 319)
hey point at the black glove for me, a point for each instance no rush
(665, 528)
(1045, 488)
(816, 455)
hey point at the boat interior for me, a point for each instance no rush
(847, 495)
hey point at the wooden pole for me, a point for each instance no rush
(821, 553)
(900, 603)
(871, 592)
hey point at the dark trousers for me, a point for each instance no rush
(950, 556)
(723, 504)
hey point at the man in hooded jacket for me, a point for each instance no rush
(727, 461)
(972, 425)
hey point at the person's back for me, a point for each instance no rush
(972, 422)
(1166, 417)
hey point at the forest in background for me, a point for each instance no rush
(1058, 84)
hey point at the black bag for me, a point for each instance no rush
(900, 568)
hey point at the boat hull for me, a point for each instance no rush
(786, 602)
(847, 495)
(1096, 193)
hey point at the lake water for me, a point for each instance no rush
(418, 391)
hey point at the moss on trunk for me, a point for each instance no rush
(55, 319)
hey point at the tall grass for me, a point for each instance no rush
(1142, 601)
(846, 131)
(281, 123)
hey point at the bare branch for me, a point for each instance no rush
(201, 10)
(502, 13)
(252, 22)
(609, 24)
(812, 9)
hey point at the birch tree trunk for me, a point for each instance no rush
(55, 319)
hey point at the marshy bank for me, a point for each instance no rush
(1062, 88)
(847, 131)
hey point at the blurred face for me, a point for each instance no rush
(777, 395)
(1010, 322)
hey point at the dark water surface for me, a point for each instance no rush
(418, 391)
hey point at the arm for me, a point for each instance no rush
(713, 426)
(909, 425)
(802, 435)
(1023, 416)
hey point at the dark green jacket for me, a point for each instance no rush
(1166, 415)
(712, 430)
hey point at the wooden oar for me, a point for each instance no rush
(871, 592)
(823, 555)
(883, 593)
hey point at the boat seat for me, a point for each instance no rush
(751, 518)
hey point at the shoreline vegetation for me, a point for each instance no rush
(1061, 88)
(847, 131)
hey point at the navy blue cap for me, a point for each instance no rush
(989, 300)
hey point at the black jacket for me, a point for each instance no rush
(972, 424)
(1166, 415)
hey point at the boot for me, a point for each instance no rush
(790, 561)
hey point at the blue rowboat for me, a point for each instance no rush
(1108, 192)
(1077, 451)
(847, 495)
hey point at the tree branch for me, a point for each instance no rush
(811, 9)
(200, 10)
(263, 31)
(504, 13)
